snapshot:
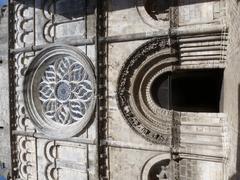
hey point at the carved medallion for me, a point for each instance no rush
(144, 116)
(65, 91)
(60, 91)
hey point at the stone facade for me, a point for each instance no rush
(5, 153)
(81, 77)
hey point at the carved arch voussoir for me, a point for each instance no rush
(152, 59)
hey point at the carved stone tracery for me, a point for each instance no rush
(60, 88)
(65, 91)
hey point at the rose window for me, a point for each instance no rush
(65, 91)
(60, 91)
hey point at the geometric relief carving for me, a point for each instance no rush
(51, 170)
(26, 158)
(144, 116)
(21, 63)
(60, 91)
(48, 28)
(24, 24)
(65, 91)
(65, 160)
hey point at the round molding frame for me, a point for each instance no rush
(59, 91)
(151, 162)
(143, 115)
(147, 19)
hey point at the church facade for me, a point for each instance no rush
(113, 90)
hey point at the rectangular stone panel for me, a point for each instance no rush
(195, 11)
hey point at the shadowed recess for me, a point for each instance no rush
(113, 5)
(189, 90)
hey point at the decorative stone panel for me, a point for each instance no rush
(199, 12)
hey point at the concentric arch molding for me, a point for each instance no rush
(59, 91)
(137, 106)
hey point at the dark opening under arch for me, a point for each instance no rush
(156, 7)
(189, 90)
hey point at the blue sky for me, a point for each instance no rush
(2, 2)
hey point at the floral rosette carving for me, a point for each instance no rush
(65, 91)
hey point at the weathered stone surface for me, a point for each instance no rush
(231, 90)
(200, 35)
(5, 155)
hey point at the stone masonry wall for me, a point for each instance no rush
(4, 100)
(232, 88)
(127, 152)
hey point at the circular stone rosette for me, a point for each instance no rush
(135, 101)
(60, 91)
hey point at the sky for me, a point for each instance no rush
(2, 2)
